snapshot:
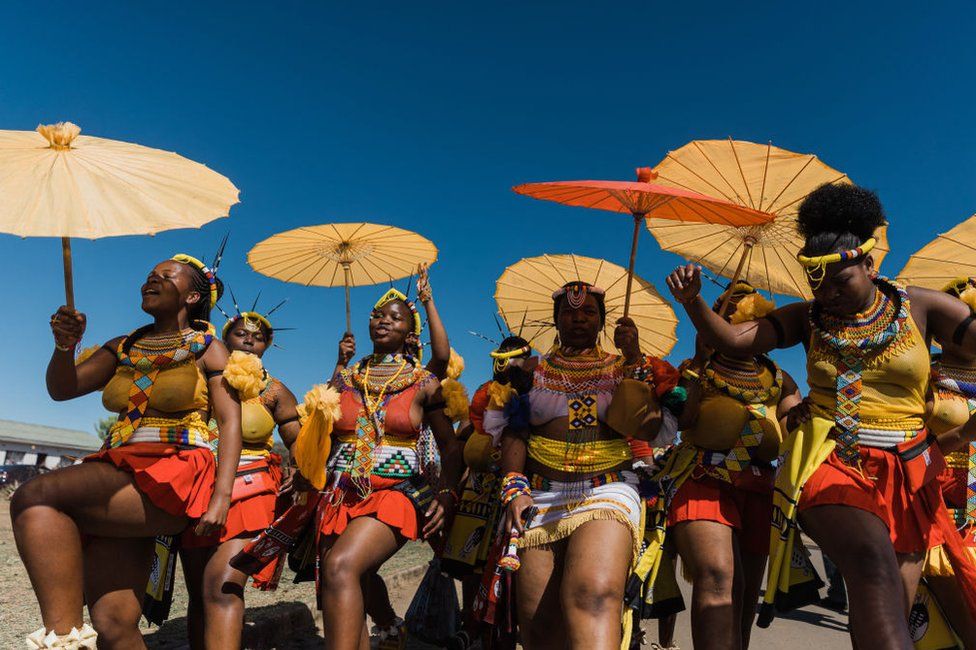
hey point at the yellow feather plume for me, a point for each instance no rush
(456, 397)
(245, 373)
(455, 365)
(752, 307)
(968, 296)
(302, 412)
(311, 449)
(85, 354)
(499, 395)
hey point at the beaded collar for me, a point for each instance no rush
(869, 331)
(387, 374)
(741, 382)
(570, 371)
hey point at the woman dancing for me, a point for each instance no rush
(953, 397)
(376, 500)
(215, 614)
(721, 511)
(868, 370)
(86, 533)
(576, 471)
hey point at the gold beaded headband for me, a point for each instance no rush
(252, 322)
(183, 258)
(502, 359)
(816, 267)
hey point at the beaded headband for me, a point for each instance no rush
(183, 258)
(252, 323)
(502, 359)
(394, 295)
(816, 267)
(576, 293)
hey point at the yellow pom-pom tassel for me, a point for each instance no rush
(85, 354)
(311, 449)
(499, 395)
(456, 397)
(752, 307)
(245, 373)
(968, 296)
(455, 365)
(302, 412)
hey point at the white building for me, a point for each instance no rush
(34, 444)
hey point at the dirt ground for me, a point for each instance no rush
(810, 628)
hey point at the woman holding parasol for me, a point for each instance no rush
(560, 455)
(377, 499)
(85, 533)
(862, 456)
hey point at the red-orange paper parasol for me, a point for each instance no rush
(643, 199)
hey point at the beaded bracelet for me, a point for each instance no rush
(451, 492)
(514, 485)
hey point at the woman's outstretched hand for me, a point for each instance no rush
(685, 283)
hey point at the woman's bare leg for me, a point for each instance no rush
(595, 572)
(866, 559)
(707, 549)
(753, 567)
(541, 621)
(223, 598)
(346, 562)
(194, 563)
(116, 574)
(48, 515)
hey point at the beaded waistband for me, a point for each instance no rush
(583, 457)
(539, 482)
(189, 431)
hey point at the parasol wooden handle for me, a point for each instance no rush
(69, 283)
(746, 249)
(345, 268)
(638, 218)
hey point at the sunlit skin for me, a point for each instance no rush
(215, 614)
(569, 592)
(881, 583)
(53, 511)
(348, 559)
(726, 579)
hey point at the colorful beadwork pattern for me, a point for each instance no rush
(742, 381)
(147, 356)
(851, 339)
(958, 383)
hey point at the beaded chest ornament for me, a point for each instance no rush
(852, 339)
(147, 357)
(743, 383)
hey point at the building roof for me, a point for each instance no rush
(38, 434)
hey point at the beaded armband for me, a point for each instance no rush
(514, 485)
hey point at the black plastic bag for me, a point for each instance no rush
(434, 615)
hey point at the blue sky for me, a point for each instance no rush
(424, 114)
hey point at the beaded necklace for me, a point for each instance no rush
(961, 382)
(852, 338)
(148, 356)
(377, 378)
(741, 380)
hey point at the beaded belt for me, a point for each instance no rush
(539, 482)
